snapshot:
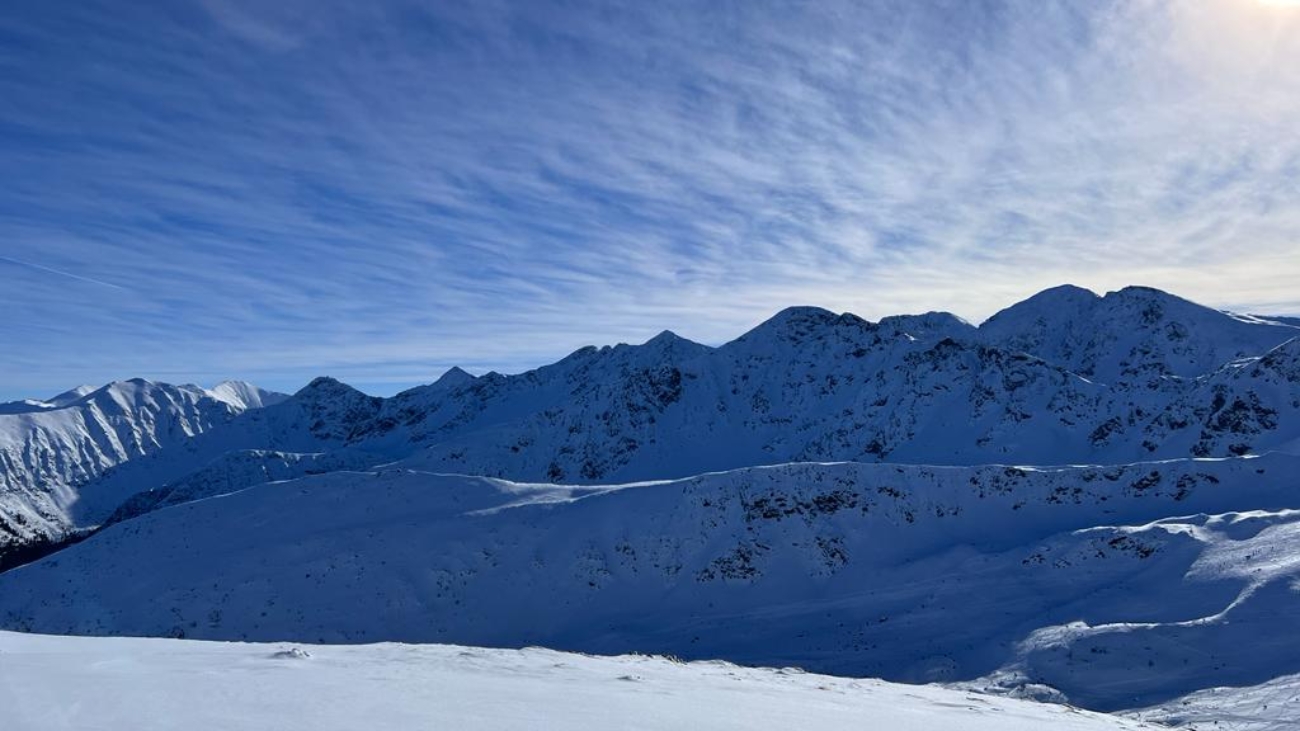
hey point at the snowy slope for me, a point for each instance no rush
(53, 448)
(243, 395)
(29, 405)
(1271, 706)
(169, 684)
(1245, 636)
(1016, 575)
(236, 470)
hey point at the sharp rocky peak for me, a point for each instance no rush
(666, 338)
(671, 344)
(455, 376)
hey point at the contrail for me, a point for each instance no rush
(66, 274)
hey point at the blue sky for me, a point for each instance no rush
(377, 191)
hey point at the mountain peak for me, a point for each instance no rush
(244, 395)
(455, 376)
(129, 391)
(1052, 302)
(321, 382)
(665, 337)
(669, 342)
(1133, 334)
(797, 324)
(797, 313)
(1067, 290)
(70, 395)
(1152, 306)
(324, 387)
(928, 325)
(1133, 290)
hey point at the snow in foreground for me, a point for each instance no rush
(63, 683)
(1271, 706)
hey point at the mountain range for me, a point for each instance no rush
(892, 498)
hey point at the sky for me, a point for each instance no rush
(194, 191)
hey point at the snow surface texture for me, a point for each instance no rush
(1073, 578)
(1271, 706)
(144, 684)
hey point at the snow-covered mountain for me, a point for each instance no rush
(1025, 577)
(1130, 336)
(243, 395)
(806, 385)
(162, 685)
(760, 501)
(55, 446)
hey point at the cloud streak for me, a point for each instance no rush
(380, 192)
(60, 273)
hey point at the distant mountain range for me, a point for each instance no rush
(1063, 377)
(854, 497)
(51, 448)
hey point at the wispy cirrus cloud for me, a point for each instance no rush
(382, 190)
(49, 270)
